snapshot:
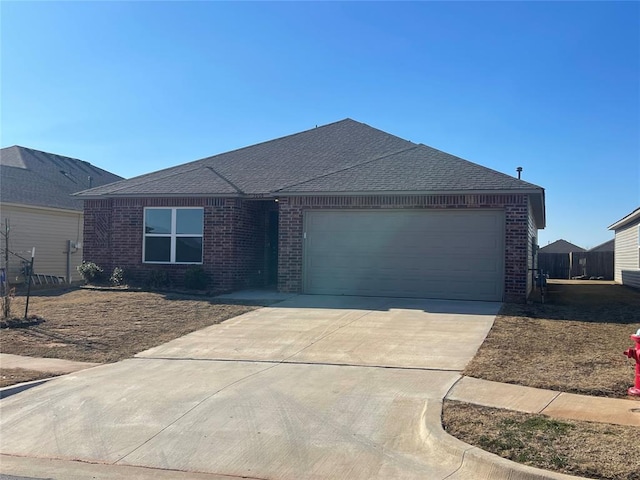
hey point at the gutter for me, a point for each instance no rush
(277, 194)
(635, 215)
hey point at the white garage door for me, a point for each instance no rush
(405, 253)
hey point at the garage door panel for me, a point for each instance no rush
(417, 253)
(475, 266)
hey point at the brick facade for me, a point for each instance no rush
(233, 238)
(234, 234)
(517, 234)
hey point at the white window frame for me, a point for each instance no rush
(173, 235)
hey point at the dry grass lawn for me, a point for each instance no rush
(586, 449)
(572, 343)
(107, 326)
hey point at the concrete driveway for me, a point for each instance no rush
(313, 387)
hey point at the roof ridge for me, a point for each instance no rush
(196, 163)
(235, 187)
(365, 162)
(22, 159)
(278, 138)
(75, 162)
(300, 133)
(173, 174)
(481, 166)
(206, 161)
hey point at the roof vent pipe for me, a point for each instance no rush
(91, 180)
(519, 170)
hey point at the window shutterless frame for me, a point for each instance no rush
(168, 239)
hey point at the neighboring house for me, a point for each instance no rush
(342, 209)
(35, 198)
(555, 260)
(564, 260)
(608, 246)
(561, 246)
(627, 249)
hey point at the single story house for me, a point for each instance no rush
(36, 201)
(341, 209)
(627, 249)
(561, 246)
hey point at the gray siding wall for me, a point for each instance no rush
(631, 278)
(627, 256)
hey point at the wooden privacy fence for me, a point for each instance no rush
(577, 264)
(556, 265)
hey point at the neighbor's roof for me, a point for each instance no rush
(561, 246)
(632, 217)
(608, 246)
(32, 177)
(346, 157)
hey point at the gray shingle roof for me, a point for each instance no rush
(608, 246)
(416, 169)
(561, 246)
(32, 177)
(338, 157)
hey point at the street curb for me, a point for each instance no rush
(478, 463)
(21, 387)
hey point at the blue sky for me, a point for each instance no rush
(133, 87)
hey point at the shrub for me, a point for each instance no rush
(91, 272)
(117, 277)
(158, 279)
(195, 278)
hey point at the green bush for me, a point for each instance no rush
(90, 272)
(195, 278)
(158, 279)
(117, 277)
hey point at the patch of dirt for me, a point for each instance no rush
(585, 449)
(107, 326)
(16, 322)
(572, 343)
(11, 376)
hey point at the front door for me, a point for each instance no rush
(271, 245)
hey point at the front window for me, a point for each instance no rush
(173, 235)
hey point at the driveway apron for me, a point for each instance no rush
(313, 387)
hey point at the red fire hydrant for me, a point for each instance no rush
(634, 353)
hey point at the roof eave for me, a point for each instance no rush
(540, 210)
(528, 191)
(633, 216)
(164, 195)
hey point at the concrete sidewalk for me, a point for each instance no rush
(49, 365)
(558, 405)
